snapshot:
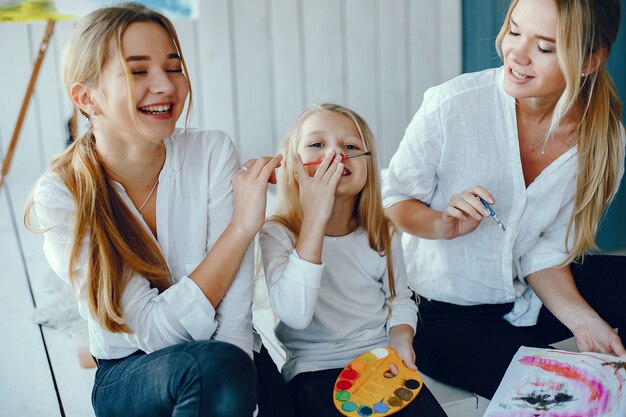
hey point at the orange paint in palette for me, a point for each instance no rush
(362, 389)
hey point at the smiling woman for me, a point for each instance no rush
(481, 24)
(541, 140)
(165, 282)
(529, 50)
(158, 83)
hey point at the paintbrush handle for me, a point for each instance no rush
(492, 214)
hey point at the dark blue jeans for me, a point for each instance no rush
(205, 378)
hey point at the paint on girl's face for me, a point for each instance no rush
(327, 130)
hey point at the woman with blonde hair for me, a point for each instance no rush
(541, 140)
(333, 264)
(142, 220)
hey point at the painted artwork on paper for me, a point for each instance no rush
(556, 383)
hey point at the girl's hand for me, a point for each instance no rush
(401, 339)
(317, 192)
(598, 336)
(250, 192)
(406, 353)
(464, 212)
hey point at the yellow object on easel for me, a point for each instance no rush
(20, 12)
(30, 10)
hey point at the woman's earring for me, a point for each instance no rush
(582, 74)
(92, 115)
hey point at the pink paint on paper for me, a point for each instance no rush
(552, 383)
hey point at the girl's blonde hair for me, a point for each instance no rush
(585, 28)
(118, 244)
(368, 211)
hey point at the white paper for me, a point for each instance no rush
(556, 383)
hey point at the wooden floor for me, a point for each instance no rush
(40, 373)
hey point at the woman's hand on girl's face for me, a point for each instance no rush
(317, 191)
(250, 192)
(464, 213)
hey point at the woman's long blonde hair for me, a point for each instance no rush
(368, 211)
(118, 244)
(585, 28)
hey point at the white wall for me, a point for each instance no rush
(256, 64)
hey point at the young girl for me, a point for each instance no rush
(334, 268)
(541, 139)
(141, 218)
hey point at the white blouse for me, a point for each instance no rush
(465, 134)
(194, 204)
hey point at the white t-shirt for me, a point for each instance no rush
(465, 134)
(194, 204)
(331, 313)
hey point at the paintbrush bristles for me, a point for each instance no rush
(360, 154)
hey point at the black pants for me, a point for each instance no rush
(471, 346)
(312, 397)
(273, 395)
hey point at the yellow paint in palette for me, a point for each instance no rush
(362, 390)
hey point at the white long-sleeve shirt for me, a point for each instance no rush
(194, 205)
(465, 134)
(331, 313)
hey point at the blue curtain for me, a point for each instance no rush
(481, 23)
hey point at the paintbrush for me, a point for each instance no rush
(492, 214)
(343, 158)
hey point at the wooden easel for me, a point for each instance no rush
(43, 47)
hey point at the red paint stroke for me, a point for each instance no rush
(599, 396)
(618, 375)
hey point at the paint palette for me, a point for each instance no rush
(363, 390)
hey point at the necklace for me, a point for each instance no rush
(535, 145)
(148, 198)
